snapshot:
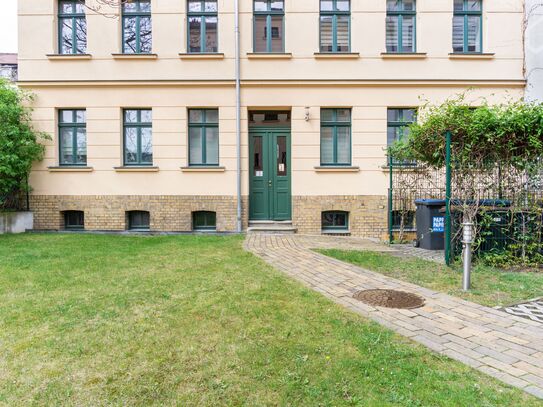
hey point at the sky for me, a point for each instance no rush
(8, 26)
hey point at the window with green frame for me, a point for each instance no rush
(468, 26)
(269, 26)
(136, 31)
(335, 30)
(138, 137)
(72, 27)
(202, 27)
(398, 121)
(204, 221)
(139, 220)
(74, 220)
(203, 137)
(72, 130)
(335, 136)
(401, 26)
(335, 221)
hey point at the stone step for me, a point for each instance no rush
(272, 227)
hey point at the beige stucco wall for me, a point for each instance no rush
(170, 103)
(368, 83)
(502, 35)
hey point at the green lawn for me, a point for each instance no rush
(490, 286)
(93, 320)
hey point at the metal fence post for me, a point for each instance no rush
(448, 198)
(390, 200)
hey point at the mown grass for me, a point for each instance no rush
(195, 321)
(490, 286)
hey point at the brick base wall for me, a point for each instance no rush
(167, 213)
(367, 214)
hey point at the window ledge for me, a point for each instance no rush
(269, 55)
(203, 169)
(136, 169)
(68, 168)
(404, 55)
(134, 56)
(202, 55)
(339, 168)
(69, 57)
(336, 55)
(471, 56)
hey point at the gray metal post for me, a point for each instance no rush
(467, 241)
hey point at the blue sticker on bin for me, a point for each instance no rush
(438, 224)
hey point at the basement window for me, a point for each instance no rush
(204, 221)
(74, 220)
(335, 221)
(138, 220)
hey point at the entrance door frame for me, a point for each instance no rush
(268, 135)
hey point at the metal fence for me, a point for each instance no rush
(506, 205)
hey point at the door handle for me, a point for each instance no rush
(269, 183)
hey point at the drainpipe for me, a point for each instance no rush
(238, 115)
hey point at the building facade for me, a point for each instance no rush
(534, 51)
(8, 67)
(140, 102)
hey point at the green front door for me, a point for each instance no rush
(269, 166)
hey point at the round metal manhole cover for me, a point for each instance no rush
(389, 299)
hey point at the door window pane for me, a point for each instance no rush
(258, 166)
(282, 153)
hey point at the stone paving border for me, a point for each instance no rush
(503, 346)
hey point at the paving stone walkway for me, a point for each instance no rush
(504, 346)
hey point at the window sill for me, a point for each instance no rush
(471, 56)
(203, 55)
(136, 169)
(70, 169)
(269, 55)
(134, 56)
(404, 55)
(338, 168)
(203, 169)
(336, 55)
(69, 57)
